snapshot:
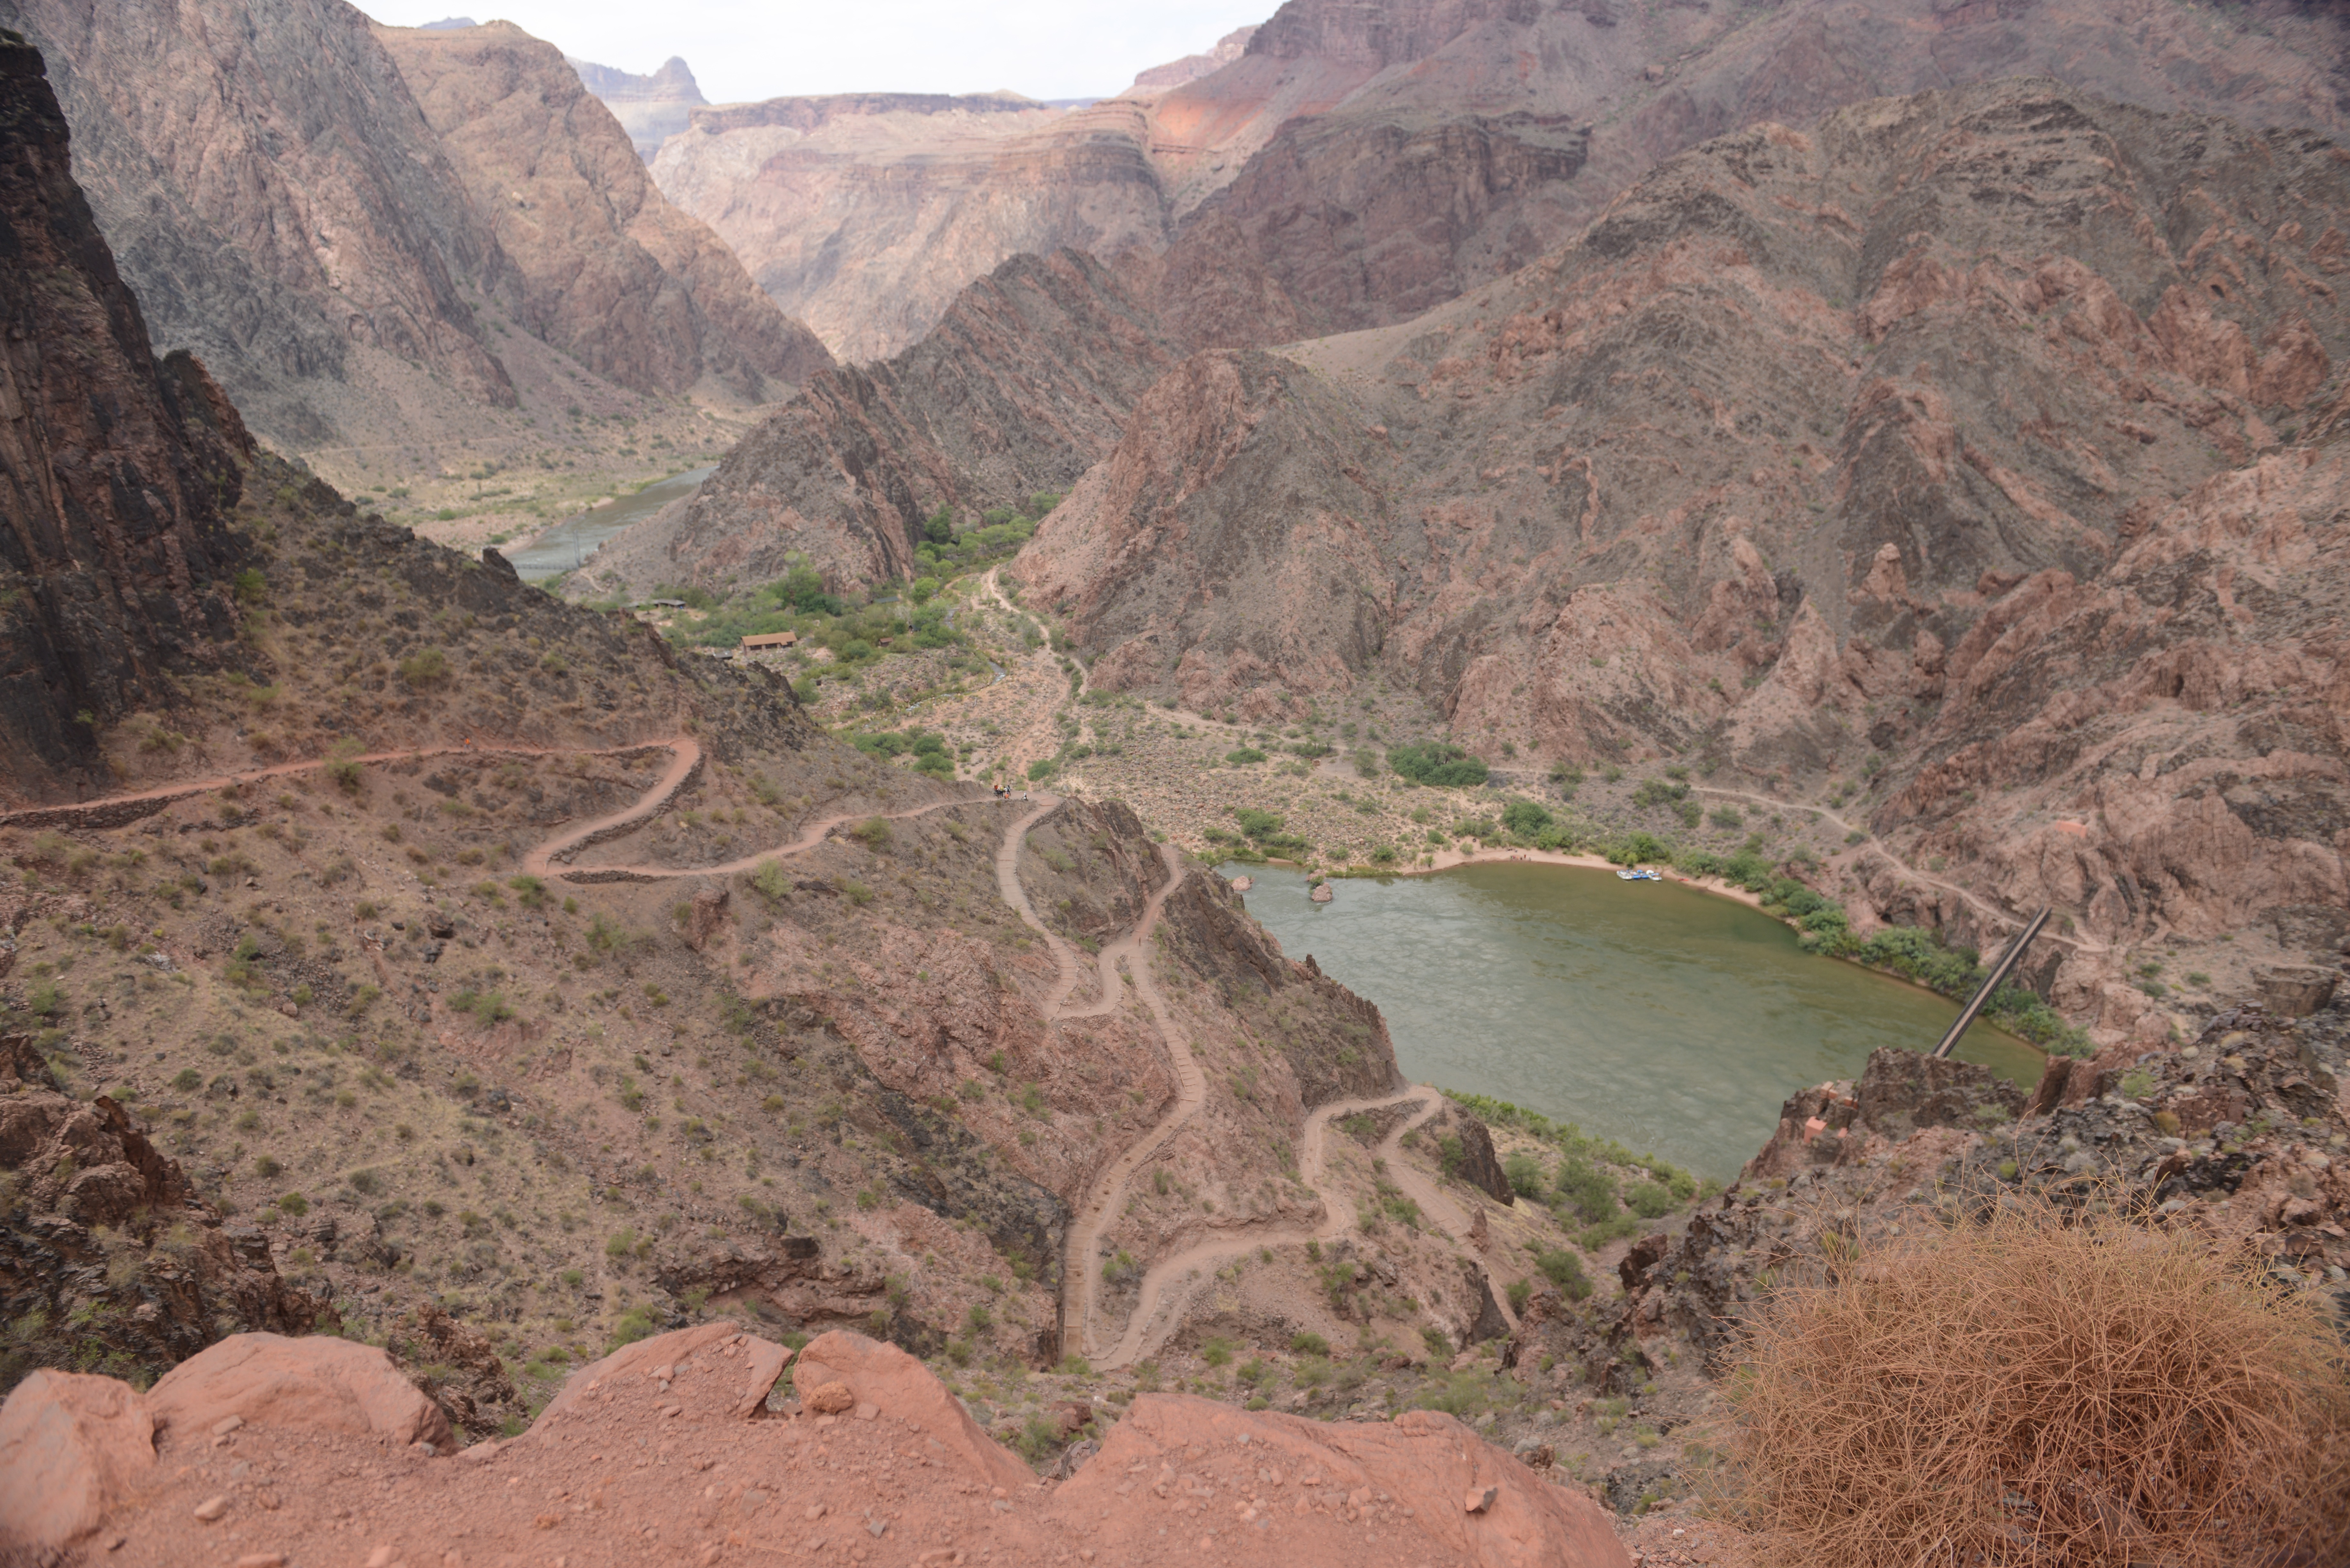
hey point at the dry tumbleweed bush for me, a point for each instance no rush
(2033, 1391)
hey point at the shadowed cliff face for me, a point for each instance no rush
(608, 271)
(1024, 385)
(1977, 444)
(115, 472)
(274, 196)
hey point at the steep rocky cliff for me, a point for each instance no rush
(1932, 452)
(607, 270)
(276, 200)
(1024, 384)
(118, 473)
(284, 210)
(650, 109)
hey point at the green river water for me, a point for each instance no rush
(1670, 1020)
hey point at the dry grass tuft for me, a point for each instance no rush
(2036, 1391)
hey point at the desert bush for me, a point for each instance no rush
(1437, 764)
(2030, 1389)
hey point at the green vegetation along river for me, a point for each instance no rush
(1670, 1020)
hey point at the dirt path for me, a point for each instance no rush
(126, 804)
(1170, 1283)
(1980, 906)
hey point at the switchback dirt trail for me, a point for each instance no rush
(1169, 1282)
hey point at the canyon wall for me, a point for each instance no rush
(115, 473)
(1024, 385)
(1934, 449)
(650, 109)
(607, 271)
(865, 214)
(1355, 164)
(285, 211)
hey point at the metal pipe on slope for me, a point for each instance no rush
(1999, 973)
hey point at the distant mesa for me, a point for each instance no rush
(1191, 67)
(448, 24)
(650, 109)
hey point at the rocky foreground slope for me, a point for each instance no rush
(266, 1446)
(1971, 453)
(284, 210)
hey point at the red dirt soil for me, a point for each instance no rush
(687, 1449)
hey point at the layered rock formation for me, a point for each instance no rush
(119, 473)
(607, 270)
(282, 209)
(865, 215)
(92, 1461)
(1191, 67)
(650, 109)
(1024, 385)
(1929, 446)
(1354, 164)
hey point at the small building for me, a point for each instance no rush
(770, 639)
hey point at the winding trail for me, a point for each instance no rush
(1976, 902)
(133, 804)
(1170, 1281)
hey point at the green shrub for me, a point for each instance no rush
(1525, 818)
(1564, 1270)
(1649, 1201)
(1438, 763)
(1525, 1175)
(1584, 1189)
(425, 666)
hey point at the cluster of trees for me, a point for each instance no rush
(1002, 531)
(929, 749)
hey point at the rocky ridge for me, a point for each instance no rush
(1353, 165)
(284, 209)
(1022, 387)
(1845, 461)
(608, 272)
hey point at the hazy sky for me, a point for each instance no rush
(766, 48)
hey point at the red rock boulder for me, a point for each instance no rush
(320, 1384)
(71, 1448)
